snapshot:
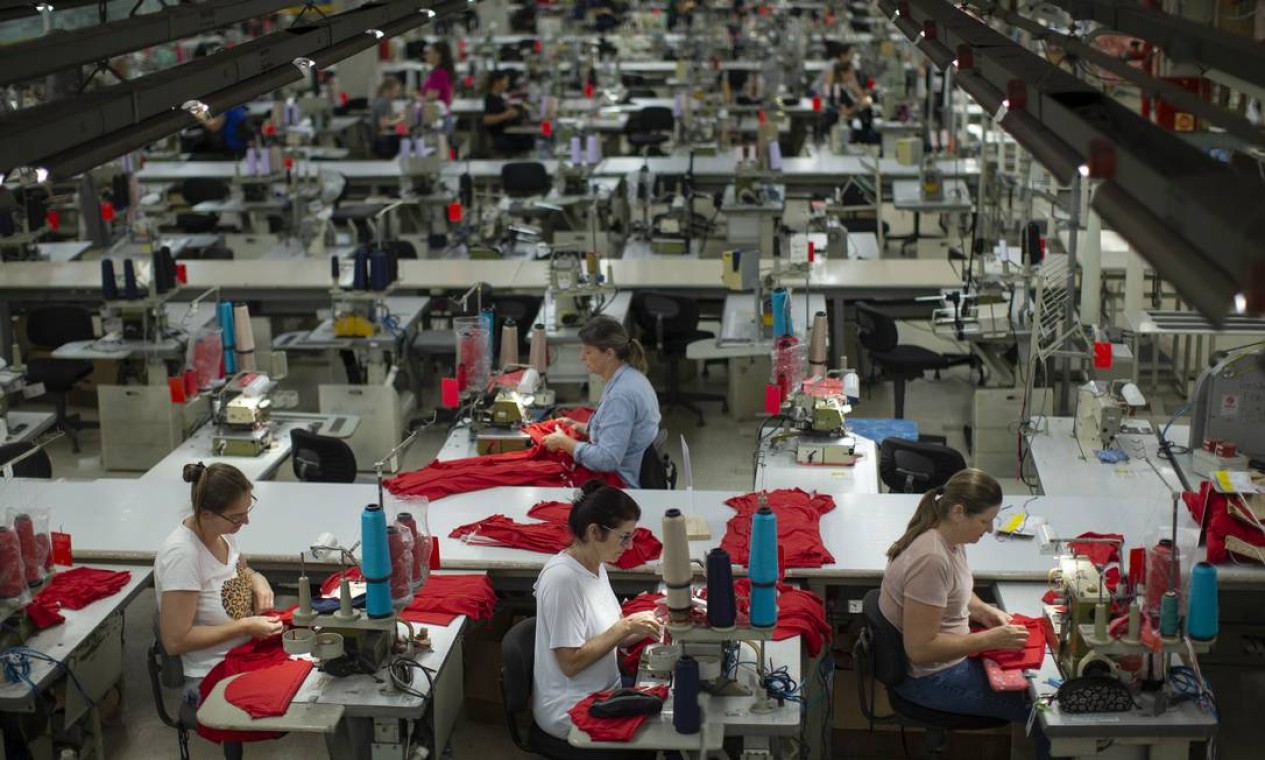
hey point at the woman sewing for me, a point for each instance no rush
(627, 417)
(578, 619)
(928, 593)
(208, 598)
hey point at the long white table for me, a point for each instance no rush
(1065, 470)
(198, 448)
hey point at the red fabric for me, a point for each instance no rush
(1099, 554)
(245, 658)
(74, 589)
(610, 729)
(578, 413)
(285, 617)
(798, 526)
(645, 546)
(1221, 523)
(535, 466)
(445, 595)
(267, 693)
(1033, 652)
(553, 511)
(499, 530)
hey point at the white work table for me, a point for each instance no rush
(1065, 470)
(907, 195)
(780, 470)
(27, 426)
(198, 448)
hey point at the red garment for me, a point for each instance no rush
(267, 693)
(553, 511)
(798, 527)
(244, 658)
(577, 413)
(535, 466)
(470, 595)
(1033, 652)
(645, 546)
(610, 729)
(74, 589)
(1099, 554)
(499, 530)
(1221, 523)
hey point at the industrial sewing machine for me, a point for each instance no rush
(1101, 407)
(241, 411)
(578, 291)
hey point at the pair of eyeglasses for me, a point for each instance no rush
(241, 520)
(624, 538)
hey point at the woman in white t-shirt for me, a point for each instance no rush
(207, 596)
(578, 619)
(928, 593)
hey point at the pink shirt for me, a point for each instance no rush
(440, 83)
(934, 573)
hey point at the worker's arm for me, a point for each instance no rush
(626, 631)
(509, 113)
(605, 455)
(179, 635)
(261, 589)
(925, 642)
(984, 614)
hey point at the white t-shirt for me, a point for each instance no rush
(185, 564)
(572, 606)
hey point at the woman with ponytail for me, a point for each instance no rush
(627, 417)
(928, 593)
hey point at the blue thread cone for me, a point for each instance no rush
(130, 291)
(781, 306)
(378, 279)
(376, 561)
(762, 568)
(228, 336)
(721, 609)
(360, 269)
(1201, 610)
(687, 718)
(489, 323)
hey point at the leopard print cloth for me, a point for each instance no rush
(238, 596)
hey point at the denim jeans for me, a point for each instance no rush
(964, 689)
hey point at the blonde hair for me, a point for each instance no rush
(975, 490)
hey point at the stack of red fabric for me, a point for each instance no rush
(798, 527)
(73, 589)
(535, 466)
(645, 546)
(444, 597)
(268, 692)
(1225, 519)
(610, 729)
(1028, 658)
(248, 658)
(550, 536)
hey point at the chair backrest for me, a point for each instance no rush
(518, 659)
(321, 459)
(876, 330)
(886, 643)
(657, 471)
(524, 178)
(652, 119)
(915, 466)
(167, 671)
(52, 326)
(199, 189)
(403, 249)
(663, 316)
(37, 465)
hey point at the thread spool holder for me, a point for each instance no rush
(1120, 647)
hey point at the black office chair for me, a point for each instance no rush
(670, 323)
(900, 362)
(917, 466)
(879, 655)
(167, 672)
(197, 190)
(320, 458)
(518, 656)
(49, 327)
(523, 179)
(650, 128)
(658, 471)
(523, 310)
(36, 465)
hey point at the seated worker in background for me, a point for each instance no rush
(579, 624)
(208, 599)
(928, 593)
(230, 133)
(853, 102)
(498, 114)
(627, 418)
(383, 118)
(733, 86)
(439, 82)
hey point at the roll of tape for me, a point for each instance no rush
(1095, 664)
(708, 667)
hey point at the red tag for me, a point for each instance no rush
(760, 117)
(546, 126)
(869, 84)
(384, 50)
(434, 552)
(53, 220)
(62, 554)
(270, 129)
(1102, 355)
(816, 104)
(452, 154)
(176, 386)
(812, 249)
(588, 89)
(107, 211)
(288, 161)
(772, 399)
(454, 212)
(182, 274)
(401, 129)
(449, 393)
(469, 81)
(342, 98)
(537, 46)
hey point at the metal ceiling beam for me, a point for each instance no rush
(54, 52)
(11, 10)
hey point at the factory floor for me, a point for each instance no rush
(721, 454)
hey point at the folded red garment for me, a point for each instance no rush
(427, 618)
(440, 600)
(1221, 524)
(74, 589)
(1099, 554)
(268, 692)
(610, 729)
(798, 526)
(1028, 658)
(244, 658)
(553, 535)
(552, 511)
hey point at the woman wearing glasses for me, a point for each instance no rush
(207, 596)
(578, 620)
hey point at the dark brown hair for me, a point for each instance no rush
(445, 60)
(603, 505)
(606, 333)
(215, 488)
(975, 490)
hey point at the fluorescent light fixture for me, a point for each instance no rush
(1240, 303)
(1083, 169)
(198, 110)
(44, 7)
(304, 64)
(427, 12)
(1005, 103)
(377, 33)
(921, 36)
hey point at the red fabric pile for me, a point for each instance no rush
(610, 729)
(550, 536)
(73, 589)
(246, 658)
(444, 597)
(267, 693)
(1099, 554)
(1226, 519)
(1033, 652)
(798, 527)
(535, 466)
(645, 546)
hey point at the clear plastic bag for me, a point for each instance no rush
(205, 356)
(12, 569)
(411, 514)
(35, 543)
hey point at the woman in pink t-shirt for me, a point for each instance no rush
(438, 84)
(928, 593)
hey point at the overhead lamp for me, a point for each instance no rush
(377, 33)
(427, 12)
(44, 7)
(198, 110)
(1240, 303)
(304, 64)
(27, 175)
(1083, 170)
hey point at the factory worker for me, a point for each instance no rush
(578, 619)
(208, 599)
(627, 417)
(928, 594)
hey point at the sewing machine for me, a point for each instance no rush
(241, 412)
(577, 290)
(822, 432)
(1100, 409)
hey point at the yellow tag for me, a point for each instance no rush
(1014, 523)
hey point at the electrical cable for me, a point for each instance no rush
(17, 669)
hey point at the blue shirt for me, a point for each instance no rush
(623, 427)
(232, 130)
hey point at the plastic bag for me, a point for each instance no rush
(206, 356)
(12, 569)
(411, 514)
(34, 542)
